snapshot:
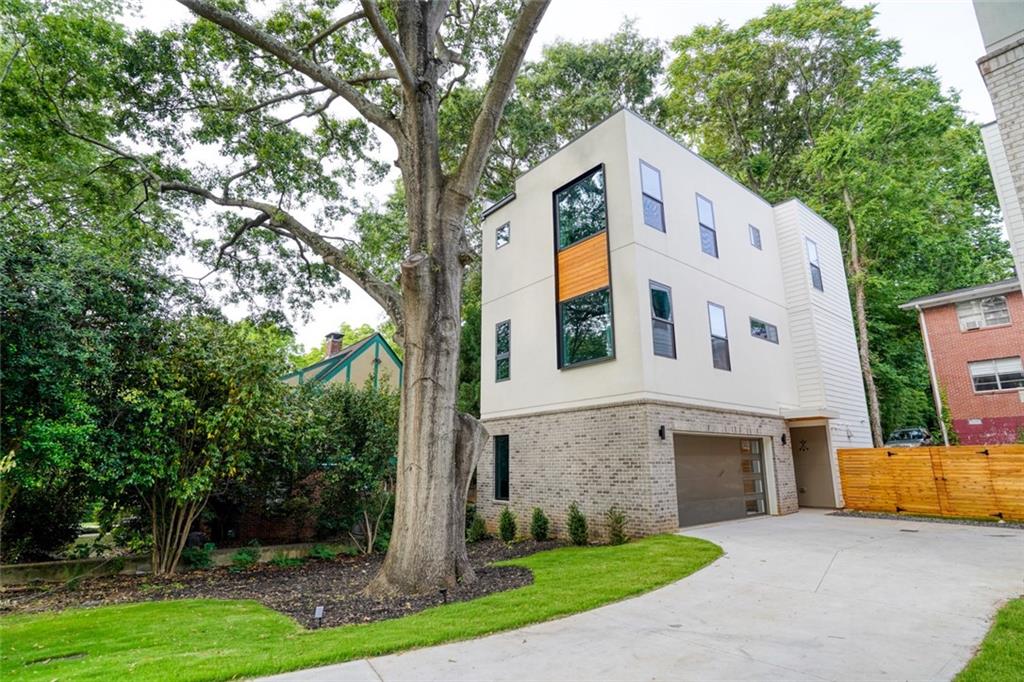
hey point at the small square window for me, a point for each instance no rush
(502, 235)
(755, 237)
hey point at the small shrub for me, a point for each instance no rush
(539, 525)
(616, 526)
(507, 525)
(577, 524)
(246, 557)
(477, 530)
(198, 557)
(322, 553)
(282, 560)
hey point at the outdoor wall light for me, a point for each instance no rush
(661, 431)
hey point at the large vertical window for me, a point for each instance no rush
(663, 327)
(997, 375)
(983, 312)
(580, 209)
(719, 337)
(706, 218)
(586, 323)
(502, 235)
(812, 261)
(502, 350)
(501, 467)
(650, 187)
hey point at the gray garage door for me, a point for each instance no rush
(718, 478)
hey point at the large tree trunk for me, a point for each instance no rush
(860, 311)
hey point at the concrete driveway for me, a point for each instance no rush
(801, 597)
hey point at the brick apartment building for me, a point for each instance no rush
(974, 340)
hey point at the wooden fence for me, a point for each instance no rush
(955, 481)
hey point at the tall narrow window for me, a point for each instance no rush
(502, 235)
(501, 467)
(755, 237)
(502, 350)
(719, 337)
(812, 261)
(650, 187)
(706, 218)
(580, 209)
(663, 327)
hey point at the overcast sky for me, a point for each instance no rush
(941, 33)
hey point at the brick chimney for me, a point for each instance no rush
(332, 344)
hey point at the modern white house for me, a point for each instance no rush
(659, 338)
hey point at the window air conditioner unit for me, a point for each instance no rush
(973, 324)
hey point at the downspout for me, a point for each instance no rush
(936, 395)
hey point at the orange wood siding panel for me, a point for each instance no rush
(583, 267)
(966, 480)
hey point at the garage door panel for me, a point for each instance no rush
(718, 478)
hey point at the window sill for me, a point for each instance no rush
(990, 326)
(999, 391)
(587, 363)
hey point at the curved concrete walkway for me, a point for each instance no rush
(801, 597)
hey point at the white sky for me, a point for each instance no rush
(941, 33)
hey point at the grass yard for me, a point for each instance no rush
(1001, 656)
(216, 640)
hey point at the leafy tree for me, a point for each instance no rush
(210, 401)
(808, 101)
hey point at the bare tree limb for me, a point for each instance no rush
(498, 92)
(336, 26)
(284, 98)
(372, 111)
(391, 46)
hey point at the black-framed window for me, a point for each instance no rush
(503, 350)
(755, 237)
(650, 187)
(706, 218)
(763, 330)
(663, 328)
(812, 261)
(719, 337)
(585, 328)
(997, 375)
(580, 208)
(501, 467)
(502, 235)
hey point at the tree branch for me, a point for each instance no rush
(336, 26)
(373, 112)
(391, 46)
(498, 92)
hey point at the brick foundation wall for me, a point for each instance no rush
(612, 455)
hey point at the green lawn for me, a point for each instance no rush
(1001, 657)
(214, 640)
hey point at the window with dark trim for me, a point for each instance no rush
(997, 375)
(812, 261)
(755, 237)
(580, 209)
(586, 328)
(501, 467)
(650, 187)
(663, 328)
(706, 218)
(719, 337)
(502, 235)
(502, 350)
(764, 330)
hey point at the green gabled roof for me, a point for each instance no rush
(325, 369)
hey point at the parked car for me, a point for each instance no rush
(909, 438)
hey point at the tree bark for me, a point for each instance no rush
(860, 311)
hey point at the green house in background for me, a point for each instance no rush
(370, 358)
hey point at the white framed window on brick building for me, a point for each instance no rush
(983, 312)
(996, 375)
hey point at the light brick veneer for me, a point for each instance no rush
(600, 456)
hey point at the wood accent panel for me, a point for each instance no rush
(583, 267)
(966, 480)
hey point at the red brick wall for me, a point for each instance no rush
(1000, 412)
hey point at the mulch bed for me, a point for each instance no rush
(293, 590)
